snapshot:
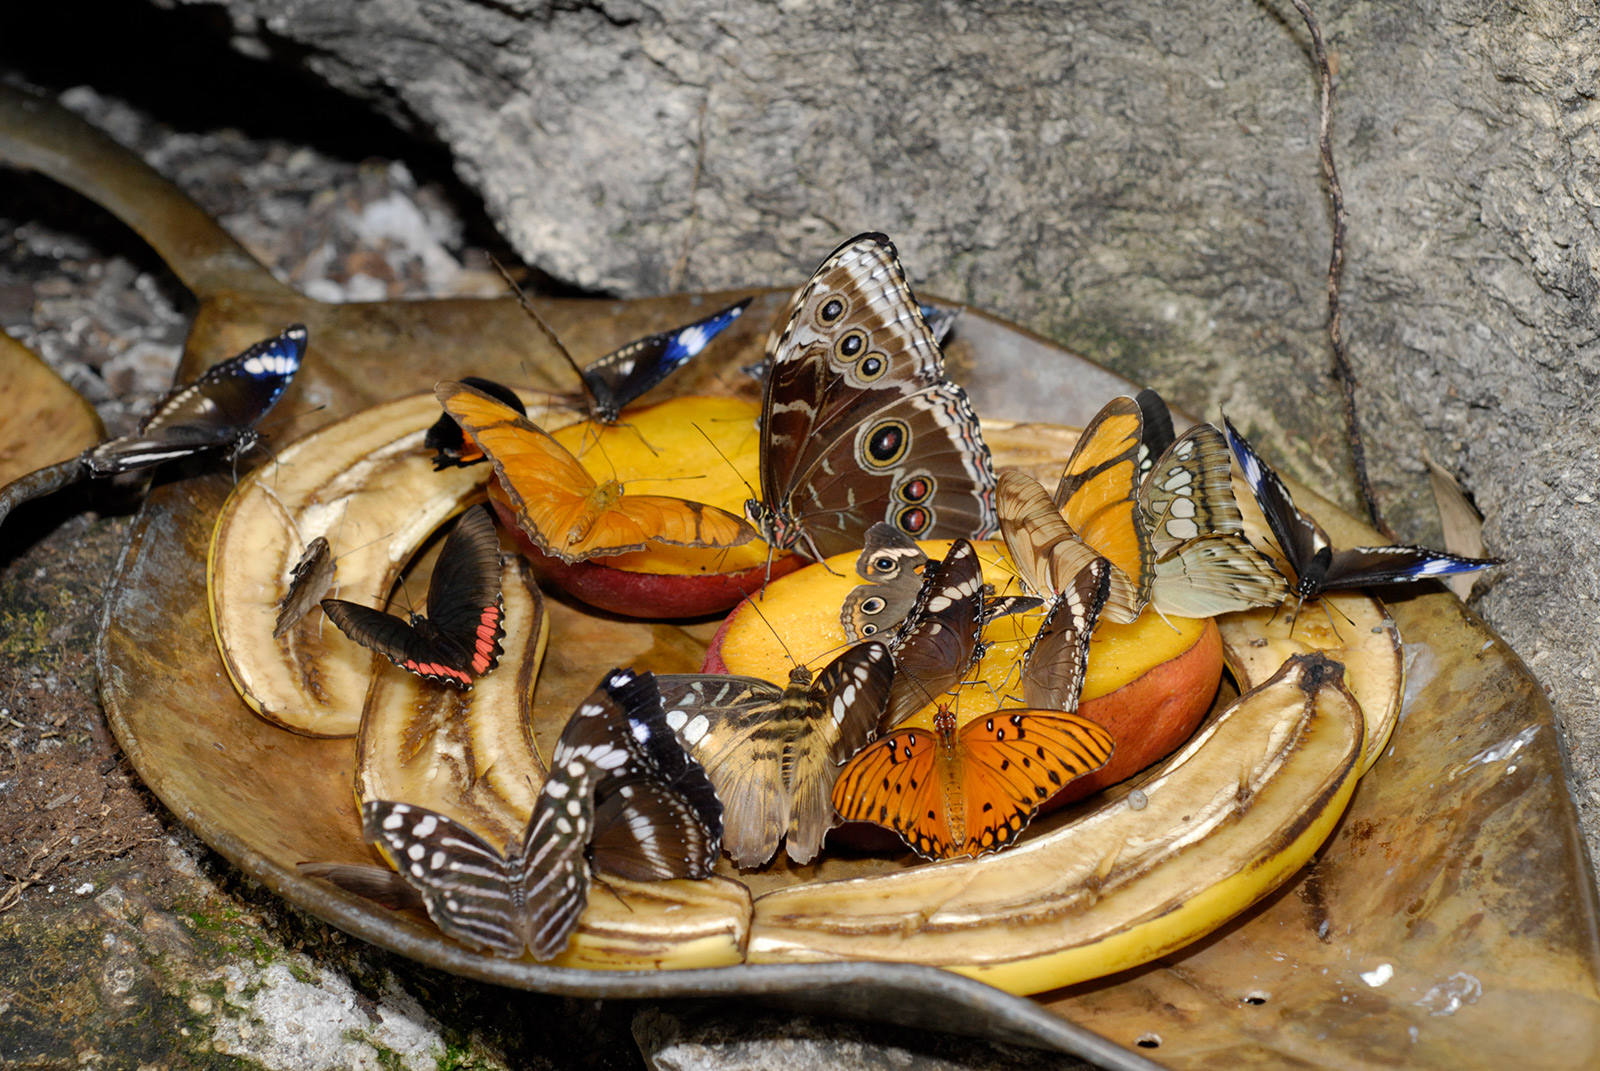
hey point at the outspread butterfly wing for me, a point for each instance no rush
(391, 637)
(891, 563)
(220, 408)
(1098, 494)
(1046, 550)
(1011, 761)
(894, 783)
(646, 831)
(619, 377)
(466, 886)
(561, 507)
(858, 423)
(1054, 666)
(938, 642)
(465, 605)
(551, 883)
(1360, 566)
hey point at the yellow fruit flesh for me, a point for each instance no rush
(660, 450)
(803, 608)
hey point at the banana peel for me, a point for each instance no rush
(1217, 826)
(367, 485)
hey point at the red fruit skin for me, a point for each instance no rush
(648, 595)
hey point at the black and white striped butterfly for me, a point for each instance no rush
(773, 752)
(218, 411)
(1317, 566)
(621, 792)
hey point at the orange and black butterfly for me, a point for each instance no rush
(561, 507)
(953, 792)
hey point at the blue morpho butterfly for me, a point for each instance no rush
(218, 411)
(941, 321)
(1317, 566)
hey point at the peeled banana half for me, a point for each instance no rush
(1216, 826)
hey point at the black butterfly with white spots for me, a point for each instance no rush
(1317, 566)
(218, 411)
(621, 793)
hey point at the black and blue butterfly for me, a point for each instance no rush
(219, 411)
(1317, 566)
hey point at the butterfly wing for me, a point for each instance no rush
(891, 564)
(393, 638)
(893, 782)
(466, 611)
(1301, 540)
(1053, 668)
(1010, 762)
(1215, 574)
(308, 583)
(451, 447)
(858, 423)
(1098, 494)
(1155, 434)
(466, 886)
(221, 408)
(1360, 566)
(1189, 491)
(938, 642)
(1047, 552)
(619, 377)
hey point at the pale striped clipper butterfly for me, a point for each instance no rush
(621, 794)
(1317, 566)
(773, 752)
(218, 411)
(561, 507)
(611, 383)
(858, 423)
(966, 791)
(459, 638)
(892, 566)
(1204, 564)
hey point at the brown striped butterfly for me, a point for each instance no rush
(773, 752)
(459, 638)
(620, 790)
(858, 423)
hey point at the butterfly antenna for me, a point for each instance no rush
(793, 661)
(1326, 607)
(635, 429)
(539, 321)
(606, 885)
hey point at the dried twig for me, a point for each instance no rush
(1341, 359)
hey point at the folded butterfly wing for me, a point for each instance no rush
(1098, 495)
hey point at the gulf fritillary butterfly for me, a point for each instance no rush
(563, 509)
(969, 791)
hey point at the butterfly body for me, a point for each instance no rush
(971, 790)
(621, 796)
(1317, 565)
(561, 507)
(858, 424)
(218, 411)
(459, 638)
(772, 752)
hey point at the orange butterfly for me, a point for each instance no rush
(564, 510)
(951, 793)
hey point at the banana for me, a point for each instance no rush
(1349, 627)
(666, 925)
(1215, 827)
(366, 484)
(469, 755)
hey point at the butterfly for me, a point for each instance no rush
(611, 383)
(564, 510)
(459, 639)
(1305, 546)
(1204, 564)
(941, 322)
(773, 752)
(1056, 661)
(892, 565)
(218, 411)
(452, 448)
(858, 423)
(1047, 553)
(308, 583)
(621, 792)
(938, 641)
(953, 792)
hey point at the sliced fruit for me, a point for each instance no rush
(1149, 682)
(1215, 827)
(701, 448)
(367, 484)
(1350, 627)
(469, 755)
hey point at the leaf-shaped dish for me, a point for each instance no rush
(1450, 922)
